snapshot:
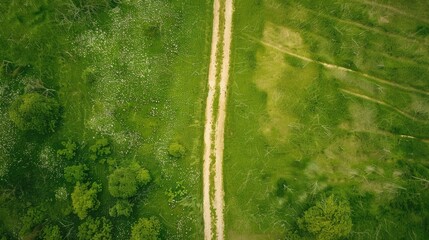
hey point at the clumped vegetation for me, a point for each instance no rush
(146, 228)
(95, 228)
(176, 150)
(84, 198)
(90, 90)
(35, 112)
(328, 219)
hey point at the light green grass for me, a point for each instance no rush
(291, 119)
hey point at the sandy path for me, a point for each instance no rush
(214, 130)
(209, 123)
(220, 123)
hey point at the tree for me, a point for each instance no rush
(84, 198)
(33, 217)
(121, 208)
(51, 233)
(100, 150)
(328, 219)
(148, 229)
(75, 173)
(69, 150)
(176, 150)
(143, 177)
(35, 112)
(123, 183)
(95, 229)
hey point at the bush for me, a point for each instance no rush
(123, 183)
(95, 229)
(35, 112)
(148, 229)
(51, 233)
(100, 150)
(75, 173)
(121, 208)
(84, 198)
(143, 177)
(329, 219)
(69, 150)
(176, 150)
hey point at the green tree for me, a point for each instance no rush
(75, 173)
(51, 233)
(100, 150)
(33, 217)
(84, 198)
(121, 208)
(176, 150)
(69, 150)
(35, 112)
(329, 219)
(148, 229)
(143, 176)
(95, 229)
(123, 183)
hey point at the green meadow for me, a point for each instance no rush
(328, 98)
(131, 73)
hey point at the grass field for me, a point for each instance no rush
(328, 98)
(133, 73)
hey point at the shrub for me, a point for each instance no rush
(328, 219)
(35, 112)
(69, 150)
(84, 198)
(176, 150)
(75, 173)
(123, 183)
(148, 229)
(100, 150)
(51, 233)
(121, 208)
(95, 229)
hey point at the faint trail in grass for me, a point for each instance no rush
(332, 66)
(395, 10)
(384, 104)
(384, 133)
(364, 27)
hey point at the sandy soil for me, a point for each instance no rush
(216, 202)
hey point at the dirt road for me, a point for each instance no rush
(213, 204)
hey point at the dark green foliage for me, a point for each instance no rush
(75, 173)
(33, 217)
(51, 233)
(329, 219)
(35, 112)
(281, 187)
(69, 150)
(121, 208)
(95, 229)
(176, 150)
(144, 228)
(123, 183)
(84, 198)
(100, 150)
